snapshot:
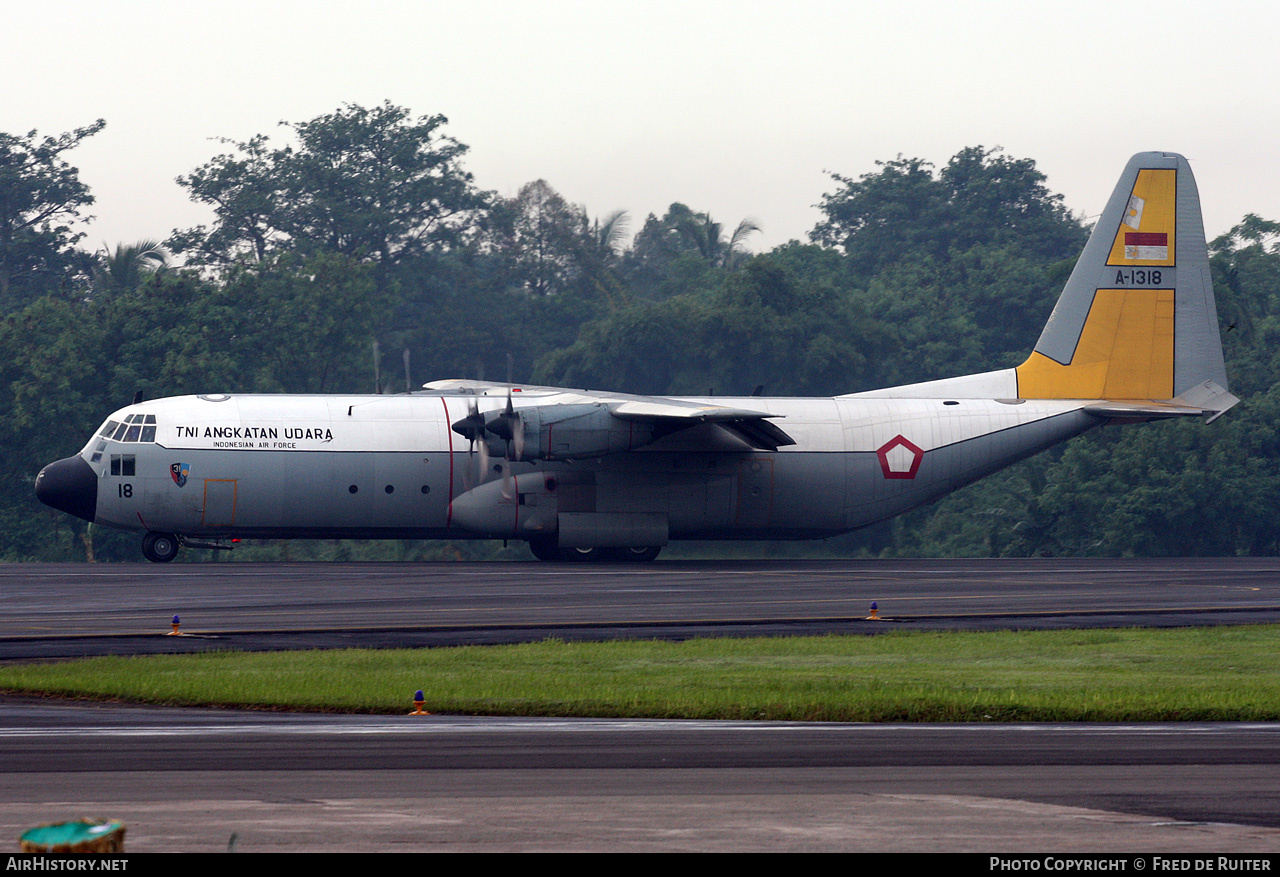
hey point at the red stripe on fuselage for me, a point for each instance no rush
(448, 521)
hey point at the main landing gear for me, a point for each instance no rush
(160, 547)
(636, 555)
(548, 549)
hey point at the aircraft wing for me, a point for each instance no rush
(661, 415)
(487, 388)
(669, 415)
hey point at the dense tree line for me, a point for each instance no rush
(355, 252)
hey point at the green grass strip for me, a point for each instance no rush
(1201, 674)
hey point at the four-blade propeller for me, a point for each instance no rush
(507, 426)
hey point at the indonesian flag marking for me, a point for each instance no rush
(1146, 245)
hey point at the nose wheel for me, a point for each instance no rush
(160, 547)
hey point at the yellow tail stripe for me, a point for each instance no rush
(1125, 352)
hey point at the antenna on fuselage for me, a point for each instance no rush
(137, 397)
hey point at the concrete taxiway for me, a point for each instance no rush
(190, 779)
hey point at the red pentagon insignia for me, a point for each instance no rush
(899, 458)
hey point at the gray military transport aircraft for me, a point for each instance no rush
(586, 474)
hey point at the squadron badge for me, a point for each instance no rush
(179, 472)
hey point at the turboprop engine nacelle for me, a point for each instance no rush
(566, 432)
(522, 506)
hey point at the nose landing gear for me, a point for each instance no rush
(160, 547)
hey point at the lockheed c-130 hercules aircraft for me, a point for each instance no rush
(579, 474)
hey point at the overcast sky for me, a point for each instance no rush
(736, 108)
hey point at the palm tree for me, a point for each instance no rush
(608, 235)
(704, 234)
(124, 269)
(597, 254)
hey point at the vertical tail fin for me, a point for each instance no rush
(1137, 320)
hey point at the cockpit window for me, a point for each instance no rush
(135, 428)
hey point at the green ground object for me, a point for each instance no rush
(80, 836)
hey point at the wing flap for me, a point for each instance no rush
(672, 415)
(760, 434)
(679, 409)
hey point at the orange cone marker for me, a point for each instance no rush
(875, 613)
(176, 623)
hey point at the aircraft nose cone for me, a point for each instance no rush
(69, 486)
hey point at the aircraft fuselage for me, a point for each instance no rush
(1133, 337)
(391, 467)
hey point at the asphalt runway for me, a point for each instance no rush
(191, 779)
(60, 610)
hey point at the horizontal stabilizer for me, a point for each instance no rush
(1203, 399)
(1142, 410)
(1211, 397)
